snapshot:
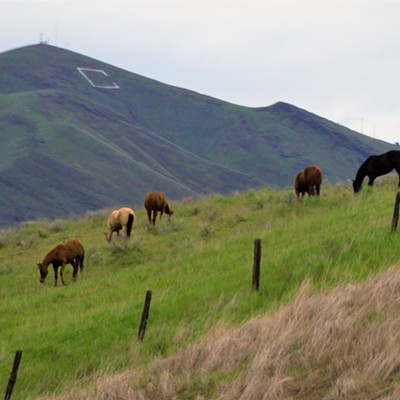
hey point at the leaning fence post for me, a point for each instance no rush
(256, 264)
(13, 377)
(396, 213)
(145, 316)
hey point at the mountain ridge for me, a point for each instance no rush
(144, 135)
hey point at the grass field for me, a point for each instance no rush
(199, 268)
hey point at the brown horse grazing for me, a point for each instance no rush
(120, 219)
(308, 181)
(154, 202)
(69, 252)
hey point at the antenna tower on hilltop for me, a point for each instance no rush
(41, 40)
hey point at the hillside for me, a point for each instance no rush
(341, 345)
(309, 320)
(78, 135)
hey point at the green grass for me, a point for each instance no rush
(198, 266)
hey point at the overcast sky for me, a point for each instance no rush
(339, 59)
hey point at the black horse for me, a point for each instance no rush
(375, 166)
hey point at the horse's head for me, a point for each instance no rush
(356, 186)
(168, 211)
(107, 235)
(43, 271)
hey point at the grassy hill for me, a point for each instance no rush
(328, 346)
(198, 266)
(77, 134)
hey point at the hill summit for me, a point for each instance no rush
(78, 134)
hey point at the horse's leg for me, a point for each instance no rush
(154, 217)
(62, 272)
(371, 180)
(75, 267)
(317, 189)
(55, 267)
(398, 173)
(149, 216)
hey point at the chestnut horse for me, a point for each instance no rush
(154, 202)
(375, 166)
(122, 218)
(69, 252)
(308, 181)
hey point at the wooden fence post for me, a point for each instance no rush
(256, 264)
(13, 377)
(145, 316)
(396, 213)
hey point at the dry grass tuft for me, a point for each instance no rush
(341, 345)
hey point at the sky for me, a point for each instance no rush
(338, 59)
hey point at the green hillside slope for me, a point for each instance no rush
(77, 134)
(70, 160)
(199, 268)
(336, 345)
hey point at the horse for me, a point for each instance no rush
(69, 252)
(308, 181)
(154, 202)
(377, 165)
(122, 218)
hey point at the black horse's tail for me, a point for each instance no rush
(129, 225)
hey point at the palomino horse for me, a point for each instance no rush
(122, 218)
(69, 252)
(375, 166)
(154, 202)
(308, 181)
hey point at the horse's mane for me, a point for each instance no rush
(49, 257)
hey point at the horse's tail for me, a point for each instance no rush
(82, 260)
(129, 224)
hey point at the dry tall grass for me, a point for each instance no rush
(340, 345)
